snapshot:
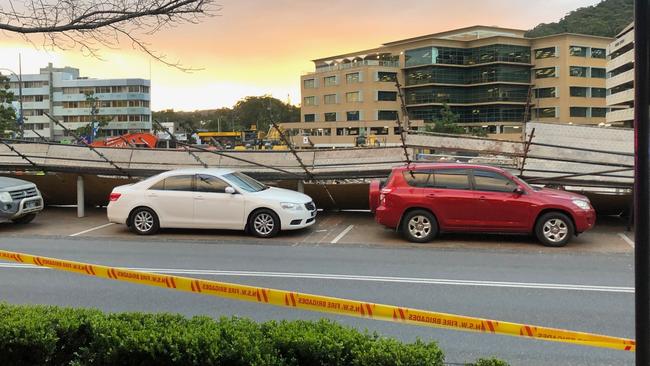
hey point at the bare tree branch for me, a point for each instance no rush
(91, 24)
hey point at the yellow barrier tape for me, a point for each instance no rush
(326, 304)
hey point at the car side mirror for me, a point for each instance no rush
(230, 190)
(518, 191)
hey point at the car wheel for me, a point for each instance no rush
(554, 229)
(24, 219)
(419, 226)
(264, 224)
(144, 221)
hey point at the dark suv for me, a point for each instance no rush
(424, 199)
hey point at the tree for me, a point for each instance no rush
(448, 122)
(91, 24)
(97, 121)
(7, 112)
(260, 110)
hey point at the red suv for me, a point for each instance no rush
(424, 199)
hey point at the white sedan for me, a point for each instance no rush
(209, 199)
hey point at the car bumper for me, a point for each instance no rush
(386, 217)
(585, 220)
(21, 208)
(294, 220)
(116, 215)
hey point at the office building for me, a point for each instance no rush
(620, 79)
(492, 78)
(62, 93)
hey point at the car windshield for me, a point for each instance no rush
(245, 182)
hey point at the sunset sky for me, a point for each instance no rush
(256, 47)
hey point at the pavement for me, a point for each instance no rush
(347, 255)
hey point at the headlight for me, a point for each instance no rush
(5, 197)
(582, 204)
(291, 206)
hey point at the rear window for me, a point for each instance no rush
(445, 178)
(174, 183)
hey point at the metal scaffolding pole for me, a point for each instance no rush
(642, 179)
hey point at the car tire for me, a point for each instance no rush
(264, 223)
(419, 226)
(144, 221)
(24, 219)
(554, 229)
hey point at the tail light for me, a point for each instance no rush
(114, 196)
(382, 195)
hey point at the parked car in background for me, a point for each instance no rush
(422, 200)
(20, 200)
(209, 199)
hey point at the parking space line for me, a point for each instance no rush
(92, 229)
(342, 234)
(627, 240)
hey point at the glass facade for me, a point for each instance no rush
(390, 96)
(598, 112)
(544, 93)
(545, 53)
(467, 56)
(544, 112)
(578, 51)
(598, 72)
(387, 115)
(460, 95)
(598, 52)
(352, 115)
(598, 92)
(578, 111)
(330, 117)
(578, 71)
(472, 114)
(546, 72)
(578, 91)
(477, 75)
(386, 76)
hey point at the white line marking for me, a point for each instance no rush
(321, 231)
(93, 229)
(321, 276)
(627, 240)
(342, 234)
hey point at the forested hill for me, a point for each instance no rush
(606, 19)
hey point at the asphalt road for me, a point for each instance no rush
(592, 309)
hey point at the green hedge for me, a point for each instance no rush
(48, 335)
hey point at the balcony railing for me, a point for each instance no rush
(352, 65)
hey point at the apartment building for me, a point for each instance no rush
(492, 78)
(61, 92)
(620, 79)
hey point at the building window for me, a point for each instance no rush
(329, 99)
(387, 96)
(387, 76)
(598, 53)
(102, 89)
(547, 72)
(352, 78)
(387, 115)
(578, 51)
(351, 131)
(545, 93)
(330, 117)
(309, 83)
(310, 117)
(329, 80)
(352, 115)
(578, 112)
(598, 112)
(545, 53)
(598, 72)
(352, 97)
(310, 100)
(578, 91)
(578, 71)
(544, 112)
(598, 92)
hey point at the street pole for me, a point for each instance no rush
(642, 180)
(20, 95)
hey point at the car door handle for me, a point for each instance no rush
(482, 198)
(431, 195)
(199, 198)
(152, 195)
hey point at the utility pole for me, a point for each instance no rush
(20, 95)
(642, 180)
